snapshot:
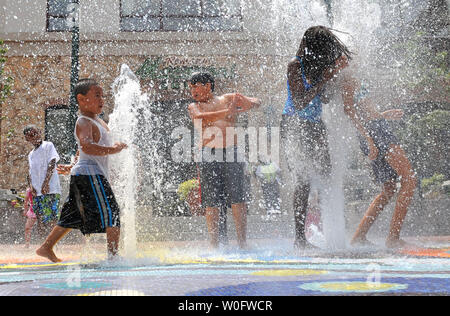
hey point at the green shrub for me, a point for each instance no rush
(186, 187)
(426, 139)
(5, 82)
(428, 183)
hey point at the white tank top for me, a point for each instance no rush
(90, 164)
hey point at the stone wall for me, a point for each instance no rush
(37, 81)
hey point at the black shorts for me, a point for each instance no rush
(383, 137)
(223, 183)
(91, 206)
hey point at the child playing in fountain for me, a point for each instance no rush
(43, 179)
(91, 206)
(322, 60)
(222, 180)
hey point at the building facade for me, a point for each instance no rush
(245, 44)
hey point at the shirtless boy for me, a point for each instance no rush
(222, 180)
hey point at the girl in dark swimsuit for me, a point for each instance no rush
(320, 57)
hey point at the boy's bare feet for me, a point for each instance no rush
(48, 253)
(398, 244)
(243, 246)
(304, 245)
(363, 242)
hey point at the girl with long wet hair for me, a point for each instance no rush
(321, 59)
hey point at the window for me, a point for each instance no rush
(180, 15)
(57, 130)
(167, 172)
(59, 13)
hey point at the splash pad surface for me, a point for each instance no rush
(191, 269)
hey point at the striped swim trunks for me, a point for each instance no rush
(91, 206)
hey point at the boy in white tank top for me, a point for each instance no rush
(91, 206)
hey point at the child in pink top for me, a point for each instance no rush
(29, 214)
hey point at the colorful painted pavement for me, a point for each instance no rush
(172, 271)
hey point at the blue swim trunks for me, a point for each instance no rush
(91, 206)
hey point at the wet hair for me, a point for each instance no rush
(319, 50)
(203, 78)
(30, 129)
(83, 86)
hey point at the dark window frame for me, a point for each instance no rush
(59, 106)
(161, 16)
(49, 16)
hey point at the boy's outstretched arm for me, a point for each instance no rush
(196, 114)
(84, 130)
(65, 169)
(243, 104)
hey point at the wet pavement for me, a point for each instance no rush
(269, 268)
